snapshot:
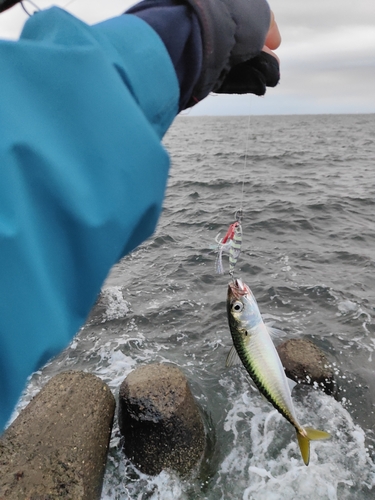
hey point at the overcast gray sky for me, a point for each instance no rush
(327, 55)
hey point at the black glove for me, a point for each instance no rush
(7, 4)
(233, 33)
(252, 77)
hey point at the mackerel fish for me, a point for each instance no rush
(253, 346)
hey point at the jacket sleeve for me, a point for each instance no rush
(178, 26)
(82, 174)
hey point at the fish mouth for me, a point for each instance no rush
(238, 288)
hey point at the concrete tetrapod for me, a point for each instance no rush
(57, 446)
(305, 363)
(160, 420)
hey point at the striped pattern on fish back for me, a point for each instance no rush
(268, 372)
(259, 356)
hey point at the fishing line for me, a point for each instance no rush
(38, 8)
(232, 241)
(33, 4)
(68, 3)
(245, 161)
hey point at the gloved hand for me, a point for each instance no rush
(252, 77)
(7, 4)
(233, 33)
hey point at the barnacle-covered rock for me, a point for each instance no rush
(160, 420)
(57, 446)
(305, 363)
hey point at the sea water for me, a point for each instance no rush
(306, 185)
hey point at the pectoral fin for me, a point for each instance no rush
(233, 358)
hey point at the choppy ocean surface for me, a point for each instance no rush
(308, 255)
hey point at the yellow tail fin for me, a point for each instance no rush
(304, 441)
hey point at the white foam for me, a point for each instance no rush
(118, 366)
(266, 462)
(116, 306)
(346, 306)
(123, 481)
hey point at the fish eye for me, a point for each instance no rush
(237, 306)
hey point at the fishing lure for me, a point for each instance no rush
(231, 244)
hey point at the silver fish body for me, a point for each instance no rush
(257, 352)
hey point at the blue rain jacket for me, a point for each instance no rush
(82, 174)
